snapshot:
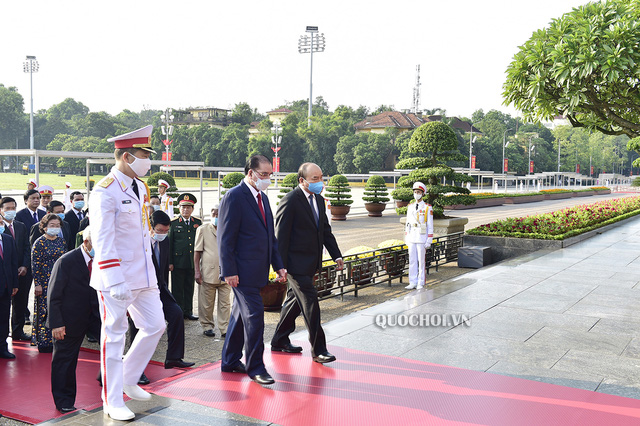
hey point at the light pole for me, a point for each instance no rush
(277, 139)
(309, 44)
(167, 129)
(471, 141)
(31, 66)
(504, 145)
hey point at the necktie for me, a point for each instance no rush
(35, 217)
(313, 209)
(135, 188)
(13, 234)
(89, 265)
(79, 215)
(156, 252)
(1, 252)
(264, 218)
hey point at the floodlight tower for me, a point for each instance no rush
(310, 44)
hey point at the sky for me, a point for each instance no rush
(140, 54)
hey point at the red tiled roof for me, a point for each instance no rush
(391, 119)
(280, 110)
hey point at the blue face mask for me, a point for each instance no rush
(315, 187)
(53, 231)
(159, 237)
(214, 221)
(1, 229)
(156, 207)
(10, 215)
(79, 205)
(61, 216)
(92, 252)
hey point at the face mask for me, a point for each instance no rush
(315, 187)
(156, 207)
(418, 197)
(10, 215)
(53, 232)
(214, 221)
(262, 184)
(92, 252)
(78, 205)
(140, 166)
(1, 229)
(159, 237)
(61, 216)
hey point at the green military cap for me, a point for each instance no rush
(187, 199)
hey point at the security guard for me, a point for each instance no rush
(418, 235)
(182, 238)
(123, 273)
(166, 202)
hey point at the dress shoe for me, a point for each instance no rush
(240, 368)
(323, 358)
(263, 379)
(177, 363)
(144, 380)
(288, 348)
(23, 336)
(411, 286)
(118, 413)
(6, 354)
(209, 333)
(91, 339)
(191, 317)
(223, 335)
(45, 349)
(136, 392)
(65, 410)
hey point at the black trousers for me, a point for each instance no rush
(63, 366)
(19, 304)
(5, 307)
(302, 297)
(175, 326)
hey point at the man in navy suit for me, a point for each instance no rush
(31, 214)
(8, 287)
(247, 246)
(74, 215)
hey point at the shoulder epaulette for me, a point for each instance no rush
(105, 182)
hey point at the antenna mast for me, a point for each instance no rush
(416, 92)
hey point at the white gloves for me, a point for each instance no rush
(428, 243)
(120, 291)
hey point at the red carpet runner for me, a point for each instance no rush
(25, 383)
(369, 389)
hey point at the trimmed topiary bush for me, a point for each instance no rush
(231, 180)
(154, 178)
(375, 191)
(338, 191)
(289, 182)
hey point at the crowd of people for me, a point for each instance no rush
(92, 279)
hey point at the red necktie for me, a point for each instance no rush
(264, 218)
(89, 265)
(13, 234)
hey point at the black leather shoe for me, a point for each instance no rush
(91, 339)
(191, 317)
(23, 336)
(7, 355)
(99, 379)
(223, 335)
(263, 379)
(288, 348)
(240, 368)
(209, 333)
(65, 410)
(323, 358)
(144, 380)
(177, 363)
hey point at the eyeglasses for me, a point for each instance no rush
(262, 175)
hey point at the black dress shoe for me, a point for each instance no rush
(288, 348)
(223, 335)
(323, 358)
(263, 379)
(209, 333)
(7, 355)
(191, 317)
(144, 380)
(23, 336)
(240, 368)
(65, 410)
(91, 339)
(177, 363)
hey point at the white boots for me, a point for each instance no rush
(123, 413)
(136, 392)
(412, 286)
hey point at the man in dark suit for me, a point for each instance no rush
(247, 246)
(55, 207)
(72, 307)
(74, 215)
(30, 215)
(8, 288)
(18, 232)
(302, 229)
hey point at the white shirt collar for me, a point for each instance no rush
(252, 189)
(87, 258)
(122, 178)
(307, 192)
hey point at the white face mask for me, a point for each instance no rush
(418, 197)
(140, 166)
(262, 184)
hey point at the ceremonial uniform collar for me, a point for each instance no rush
(124, 180)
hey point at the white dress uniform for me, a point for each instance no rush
(120, 235)
(166, 205)
(418, 235)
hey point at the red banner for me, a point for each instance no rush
(506, 165)
(164, 156)
(531, 167)
(276, 149)
(578, 168)
(276, 164)
(167, 142)
(473, 161)
(591, 174)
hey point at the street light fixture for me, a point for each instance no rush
(504, 145)
(309, 44)
(472, 140)
(167, 129)
(31, 65)
(277, 139)
(531, 148)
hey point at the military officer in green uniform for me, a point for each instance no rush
(182, 237)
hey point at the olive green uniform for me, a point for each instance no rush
(182, 237)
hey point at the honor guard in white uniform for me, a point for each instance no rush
(166, 202)
(46, 194)
(418, 235)
(123, 273)
(66, 197)
(32, 184)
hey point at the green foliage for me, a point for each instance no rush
(242, 114)
(12, 120)
(402, 194)
(230, 180)
(585, 66)
(635, 182)
(289, 182)
(375, 191)
(338, 190)
(412, 163)
(434, 137)
(155, 177)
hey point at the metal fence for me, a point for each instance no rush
(381, 265)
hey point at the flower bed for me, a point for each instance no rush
(563, 223)
(601, 190)
(557, 194)
(530, 197)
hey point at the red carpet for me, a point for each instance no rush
(25, 390)
(369, 389)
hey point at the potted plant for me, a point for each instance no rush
(361, 270)
(375, 196)
(273, 293)
(231, 180)
(393, 259)
(337, 193)
(289, 182)
(402, 196)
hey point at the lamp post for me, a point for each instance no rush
(504, 145)
(471, 141)
(309, 44)
(31, 65)
(277, 139)
(167, 129)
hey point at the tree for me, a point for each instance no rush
(586, 66)
(12, 120)
(242, 114)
